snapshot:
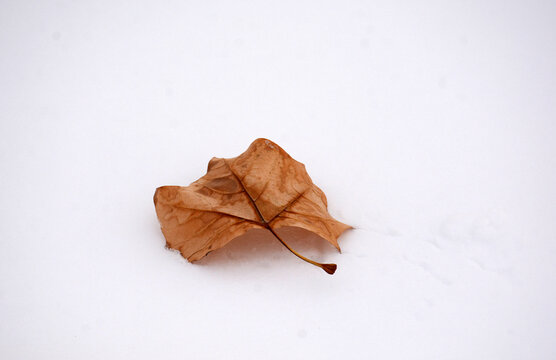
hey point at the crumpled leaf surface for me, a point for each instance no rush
(261, 188)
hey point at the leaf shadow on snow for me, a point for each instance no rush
(260, 248)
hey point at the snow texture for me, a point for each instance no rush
(429, 125)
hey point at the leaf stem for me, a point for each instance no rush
(329, 268)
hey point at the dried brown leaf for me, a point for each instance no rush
(263, 188)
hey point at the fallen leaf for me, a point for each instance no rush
(263, 188)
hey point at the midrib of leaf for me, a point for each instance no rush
(247, 193)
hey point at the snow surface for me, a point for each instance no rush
(429, 125)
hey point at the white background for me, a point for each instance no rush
(429, 125)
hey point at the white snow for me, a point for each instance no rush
(429, 125)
